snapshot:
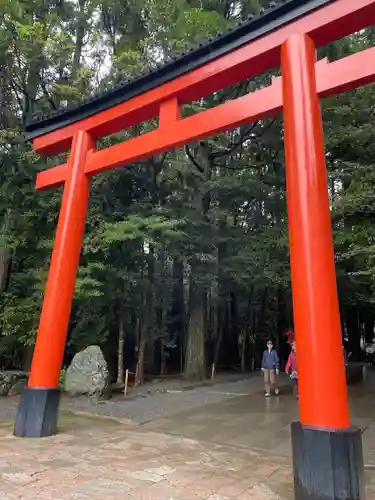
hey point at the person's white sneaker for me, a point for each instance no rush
(277, 392)
(267, 395)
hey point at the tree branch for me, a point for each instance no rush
(18, 98)
(234, 145)
(193, 160)
(46, 94)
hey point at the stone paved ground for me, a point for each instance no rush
(237, 448)
(110, 461)
(263, 424)
(154, 405)
(169, 403)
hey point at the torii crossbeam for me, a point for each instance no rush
(327, 452)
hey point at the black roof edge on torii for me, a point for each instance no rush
(277, 14)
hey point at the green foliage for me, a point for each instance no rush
(154, 230)
(195, 237)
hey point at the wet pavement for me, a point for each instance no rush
(237, 448)
(155, 405)
(262, 423)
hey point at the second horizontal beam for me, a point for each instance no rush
(332, 78)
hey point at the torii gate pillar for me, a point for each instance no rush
(39, 404)
(327, 452)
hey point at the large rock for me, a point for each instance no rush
(12, 382)
(88, 373)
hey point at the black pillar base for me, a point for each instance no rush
(328, 464)
(37, 413)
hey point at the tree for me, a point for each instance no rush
(185, 259)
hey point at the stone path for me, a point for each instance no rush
(259, 423)
(155, 405)
(158, 405)
(110, 461)
(234, 448)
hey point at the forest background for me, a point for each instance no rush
(185, 260)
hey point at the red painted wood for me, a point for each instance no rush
(332, 78)
(53, 177)
(54, 319)
(347, 73)
(321, 372)
(170, 112)
(325, 25)
(322, 383)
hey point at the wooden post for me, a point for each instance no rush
(126, 382)
(327, 453)
(38, 409)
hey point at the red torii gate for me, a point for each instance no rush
(327, 453)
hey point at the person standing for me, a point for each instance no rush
(291, 369)
(270, 369)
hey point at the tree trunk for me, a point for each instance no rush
(139, 372)
(195, 343)
(260, 327)
(5, 263)
(80, 34)
(246, 331)
(234, 331)
(176, 314)
(162, 300)
(162, 357)
(369, 330)
(28, 357)
(283, 321)
(354, 334)
(221, 324)
(120, 351)
(244, 339)
(146, 317)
